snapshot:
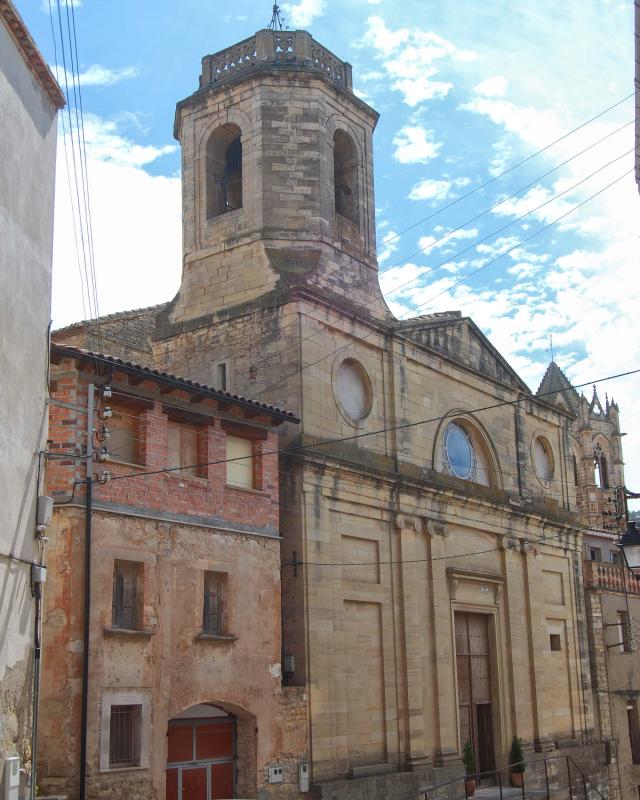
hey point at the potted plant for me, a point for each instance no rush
(517, 764)
(469, 761)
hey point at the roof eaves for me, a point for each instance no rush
(178, 382)
(32, 56)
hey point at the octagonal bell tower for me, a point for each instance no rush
(277, 182)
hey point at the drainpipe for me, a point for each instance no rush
(87, 595)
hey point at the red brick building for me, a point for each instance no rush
(184, 694)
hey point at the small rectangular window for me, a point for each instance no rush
(126, 595)
(555, 642)
(634, 730)
(183, 451)
(215, 601)
(624, 632)
(240, 466)
(614, 557)
(124, 736)
(595, 554)
(221, 376)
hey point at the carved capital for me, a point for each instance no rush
(526, 546)
(437, 528)
(453, 586)
(408, 521)
(507, 542)
(497, 593)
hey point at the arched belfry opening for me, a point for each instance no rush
(345, 177)
(224, 171)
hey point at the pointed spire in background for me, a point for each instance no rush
(278, 22)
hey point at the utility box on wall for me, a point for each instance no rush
(303, 777)
(11, 779)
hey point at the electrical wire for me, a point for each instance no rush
(404, 426)
(458, 200)
(512, 222)
(503, 200)
(437, 462)
(462, 280)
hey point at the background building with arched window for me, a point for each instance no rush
(612, 595)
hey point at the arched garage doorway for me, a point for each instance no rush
(201, 754)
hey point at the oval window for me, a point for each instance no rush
(353, 389)
(459, 454)
(543, 459)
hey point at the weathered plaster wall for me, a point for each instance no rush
(169, 663)
(176, 527)
(27, 161)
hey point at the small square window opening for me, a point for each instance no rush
(124, 736)
(555, 643)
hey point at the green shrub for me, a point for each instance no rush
(469, 759)
(516, 756)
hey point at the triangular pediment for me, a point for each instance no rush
(459, 339)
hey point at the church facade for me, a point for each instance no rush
(432, 590)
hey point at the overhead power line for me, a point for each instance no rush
(358, 436)
(414, 309)
(510, 169)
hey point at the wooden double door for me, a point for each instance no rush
(200, 759)
(475, 700)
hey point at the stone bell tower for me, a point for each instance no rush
(277, 183)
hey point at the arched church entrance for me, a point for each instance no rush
(201, 754)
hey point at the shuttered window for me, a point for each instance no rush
(240, 462)
(124, 436)
(182, 448)
(214, 603)
(125, 595)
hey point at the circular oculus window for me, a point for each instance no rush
(353, 390)
(458, 451)
(543, 459)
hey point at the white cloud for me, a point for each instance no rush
(407, 56)
(106, 143)
(302, 14)
(415, 145)
(428, 243)
(136, 221)
(96, 75)
(432, 189)
(390, 244)
(492, 87)
(46, 5)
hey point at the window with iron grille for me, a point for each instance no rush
(124, 736)
(625, 634)
(126, 580)
(215, 590)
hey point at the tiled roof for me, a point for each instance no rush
(31, 54)
(116, 316)
(181, 383)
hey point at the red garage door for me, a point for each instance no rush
(200, 756)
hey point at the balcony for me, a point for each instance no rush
(274, 49)
(609, 577)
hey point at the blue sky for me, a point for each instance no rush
(465, 90)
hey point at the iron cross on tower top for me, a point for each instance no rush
(277, 21)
